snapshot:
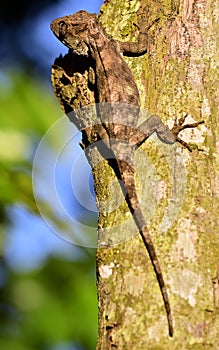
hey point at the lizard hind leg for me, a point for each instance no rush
(166, 135)
(180, 126)
(148, 127)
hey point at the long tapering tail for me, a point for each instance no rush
(154, 260)
(127, 175)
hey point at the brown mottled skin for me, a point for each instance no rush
(117, 91)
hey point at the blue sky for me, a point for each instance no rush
(44, 45)
(30, 240)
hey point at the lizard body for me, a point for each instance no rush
(115, 87)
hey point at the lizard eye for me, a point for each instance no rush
(63, 28)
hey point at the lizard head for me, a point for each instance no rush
(74, 31)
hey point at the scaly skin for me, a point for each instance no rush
(118, 95)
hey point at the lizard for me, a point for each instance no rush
(118, 100)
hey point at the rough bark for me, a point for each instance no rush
(178, 190)
(178, 75)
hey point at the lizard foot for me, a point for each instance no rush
(179, 126)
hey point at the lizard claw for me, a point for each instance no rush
(178, 126)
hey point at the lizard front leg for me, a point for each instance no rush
(139, 47)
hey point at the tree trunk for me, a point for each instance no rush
(177, 189)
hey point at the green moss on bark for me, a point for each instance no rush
(179, 75)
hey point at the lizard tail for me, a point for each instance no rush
(154, 260)
(127, 176)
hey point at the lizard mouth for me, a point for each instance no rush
(53, 27)
(59, 28)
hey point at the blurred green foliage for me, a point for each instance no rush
(27, 111)
(49, 306)
(56, 303)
